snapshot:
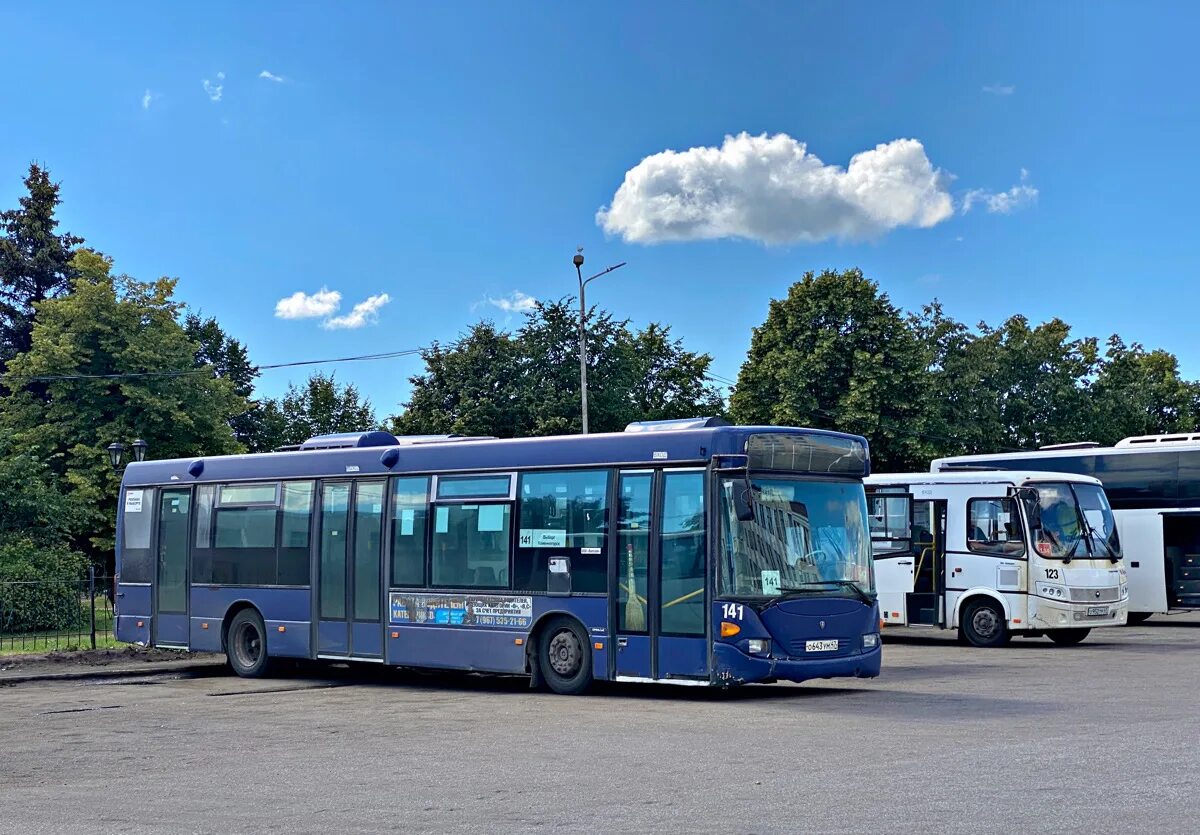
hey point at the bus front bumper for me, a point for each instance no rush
(1050, 614)
(732, 666)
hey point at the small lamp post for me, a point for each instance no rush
(583, 283)
(116, 452)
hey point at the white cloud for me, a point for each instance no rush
(770, 189)
(514, 302)
(147, 99)
(1000, 89)
(270, 76)
(300, 305)
(1002, 202)
(364, 313)
(214, 91)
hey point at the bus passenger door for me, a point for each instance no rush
(171, 588)
(349, 590)
(892, 547)
(661, 576)
(924, 605)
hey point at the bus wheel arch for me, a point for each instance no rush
(244, 639)
(982, 619)
(559, 653)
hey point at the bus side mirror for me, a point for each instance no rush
(743, 505)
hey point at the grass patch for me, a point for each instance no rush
(32, 643)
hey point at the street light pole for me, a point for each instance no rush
(583, 283)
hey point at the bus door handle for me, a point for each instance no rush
(904, 562)
(622, 643)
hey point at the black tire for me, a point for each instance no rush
(565, 657)
(246, 645)
(1138, 617)
(983, 624)
(1068, 637)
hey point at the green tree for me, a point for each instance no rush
(836, 353)
(258, 426)
(1139, 392)
(35, 261)
(320, 407)
(494, 383)
(113, 363)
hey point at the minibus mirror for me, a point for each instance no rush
(743, 503)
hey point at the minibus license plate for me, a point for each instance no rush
(1097, 611)
(820, 646)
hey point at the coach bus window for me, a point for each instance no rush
(471, 545)
(994, 527)
(137, 558)
(410, 498)
(683, 554)
(474, 487)
(562, 512)
(293, 537)
(633, 550)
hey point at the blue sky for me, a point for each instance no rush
(448, 154)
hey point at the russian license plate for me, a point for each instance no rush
(820, 646)
(1097, 611)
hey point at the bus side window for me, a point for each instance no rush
(993, 527)
(410, 512)
(137, 556)
(562, 512)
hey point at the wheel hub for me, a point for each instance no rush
(985, 623)
(565, 653)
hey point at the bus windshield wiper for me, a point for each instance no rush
(847, 584)
(1092, 536)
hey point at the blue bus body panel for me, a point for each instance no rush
(286, 607)
(680, 656)
(634, 658)
(171, 629)
(789, 625)
(601, 450)
(367, 639)
(133, 605)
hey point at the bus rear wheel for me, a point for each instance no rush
(564, 657)
(1067, 637)
(983, 624)
(246, 644)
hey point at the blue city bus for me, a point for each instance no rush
(688, 552)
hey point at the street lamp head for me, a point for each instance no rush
(139, 450)
(116, 451)
(578, 259)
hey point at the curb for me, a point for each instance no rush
(126, 672)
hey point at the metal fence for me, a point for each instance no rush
(56, 613)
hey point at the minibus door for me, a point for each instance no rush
(892, 547)
(924, 604)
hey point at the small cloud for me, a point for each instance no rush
(214, 91)
(1003, 202)
(959, 239)
(270, 76)
(1000, 89)
(364, 313)
(147, 100)
(300, 305)
(514, 302)
(929, 279)
(771, 189)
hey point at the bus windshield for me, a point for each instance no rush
(1075, 521)
(806, 537)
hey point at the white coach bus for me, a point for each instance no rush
(1153, 482)
(995, 554)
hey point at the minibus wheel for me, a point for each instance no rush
(1067, 637)
(983, 624)
(564, 657)
(246, 644)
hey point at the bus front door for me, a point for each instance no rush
(349, 589)
(923, 605)
(660, 578)
(170, 622)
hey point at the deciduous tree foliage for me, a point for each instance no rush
(35, 261)
(492, 382)
(113, 325)
(320, 407)
(837, 354)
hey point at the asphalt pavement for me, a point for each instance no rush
(1101, 737)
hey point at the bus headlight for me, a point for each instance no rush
(1052, 591)
(758, 646)
(871, 640)
(1124, 592)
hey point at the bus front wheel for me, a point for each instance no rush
(983, 624)
(1067, 637)
(246, 644)
(564, 657)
